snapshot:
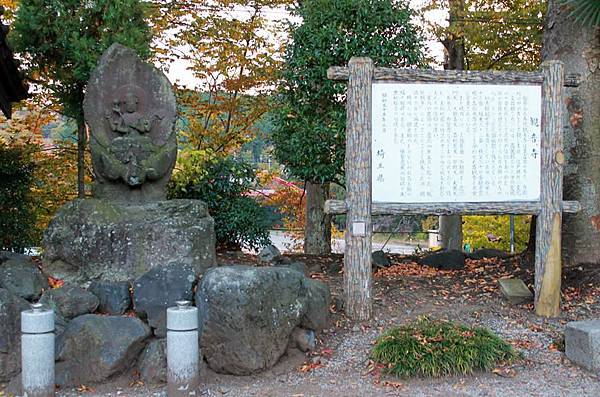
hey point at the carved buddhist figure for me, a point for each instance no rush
(130, 109)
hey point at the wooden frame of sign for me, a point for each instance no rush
(359, 207)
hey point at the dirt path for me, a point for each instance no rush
(341, 365)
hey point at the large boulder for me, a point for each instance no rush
(153, 362)
(6, 255)
(70, 301)
(114, 297)
(100, 240)
(248, 314)
(380, 259)
(11, 307)
(22, 277)
(445, 260)
(159, 289)
(95, 347)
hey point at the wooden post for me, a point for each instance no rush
(357, 256)
(548, 228)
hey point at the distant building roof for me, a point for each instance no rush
(12, 87)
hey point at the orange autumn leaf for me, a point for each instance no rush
(55, 282)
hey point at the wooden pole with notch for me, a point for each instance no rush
(357, 255)
(548, 228)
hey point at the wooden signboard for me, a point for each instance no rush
(452, 142)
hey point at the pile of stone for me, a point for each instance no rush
(249, 317)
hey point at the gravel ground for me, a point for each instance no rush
(341, 365)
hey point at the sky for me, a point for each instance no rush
(178, 71)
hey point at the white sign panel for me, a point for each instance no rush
(456, 143)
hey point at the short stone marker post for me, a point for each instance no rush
(37, 351)
(582, 344)
(182, 350)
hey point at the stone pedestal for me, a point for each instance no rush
(94, 239)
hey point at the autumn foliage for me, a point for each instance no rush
(290, 201)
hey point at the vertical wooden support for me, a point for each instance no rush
(357, 257)
(548, 228)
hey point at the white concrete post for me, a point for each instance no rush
(183, 353)
(37, 351)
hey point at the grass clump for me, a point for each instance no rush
(434, 348)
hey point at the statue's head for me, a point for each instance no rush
(131, 102)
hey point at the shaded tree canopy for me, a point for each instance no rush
(309, 129)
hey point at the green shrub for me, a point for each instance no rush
(17, 216)
(476, 228)
(436, 348)
(223, 184)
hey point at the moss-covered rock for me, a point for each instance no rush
(93, 239)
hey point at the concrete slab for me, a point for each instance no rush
(515, 290)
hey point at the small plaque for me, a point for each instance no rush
(359, 229)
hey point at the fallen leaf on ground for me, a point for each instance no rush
(84, 389)
(395, 385)
(307, 367)
(505, 372)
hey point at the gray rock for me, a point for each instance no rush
(247, 315)
(297, 266)
(6, 255)
(159, 289)
(11, 307)
(70, 301)
(380, 259)
(15, 386)
(334, 267)
(98, 240)
(445, 260)
(304, 339)
(94, 348)
(21, 276)
(270, 253)
(582, 343)
(114, 297)
(337, 303)
(153, 362)
(131, 110)
(316, 316)
(314, 268)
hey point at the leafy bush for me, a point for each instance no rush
(436, 348)
(17, 216)
(477, 228)
(223, 184)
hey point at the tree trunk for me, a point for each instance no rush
(81, 145)
(578, 47)
(317, 231)
(451, 233)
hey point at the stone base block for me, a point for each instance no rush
(582, 343)
(94, 239)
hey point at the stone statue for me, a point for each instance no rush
(128, 227)
(130, 108)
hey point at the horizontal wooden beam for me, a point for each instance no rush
(337, 207)
(451, 76)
